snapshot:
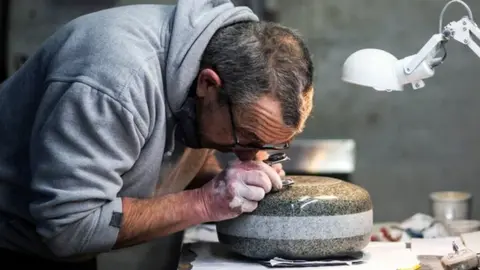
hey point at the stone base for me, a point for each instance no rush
(264, 249)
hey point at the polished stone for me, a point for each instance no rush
(294, 249)
(316, 217)
(315, 196)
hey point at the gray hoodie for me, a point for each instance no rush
(89, 118)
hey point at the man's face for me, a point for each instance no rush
(242, 130)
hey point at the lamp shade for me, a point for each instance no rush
(373, 68)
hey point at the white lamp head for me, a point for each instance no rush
(373, 68)
(382, 71)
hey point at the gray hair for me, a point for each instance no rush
(254, 59)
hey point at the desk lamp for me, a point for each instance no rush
(384, 72)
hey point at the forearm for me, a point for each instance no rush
(209, 170)
(146, 219)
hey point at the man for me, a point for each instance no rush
(90, 124)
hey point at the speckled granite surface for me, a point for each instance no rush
(315, 196)
(315, 218)
(294, 249)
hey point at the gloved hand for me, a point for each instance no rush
(238, 189)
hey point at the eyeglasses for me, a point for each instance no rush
(237, 143)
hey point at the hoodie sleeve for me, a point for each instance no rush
(78, 155)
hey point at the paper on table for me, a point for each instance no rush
(387, 255)
(435, 246)
(381, 256)
(201, 233)
(356, 259)
(472, 241)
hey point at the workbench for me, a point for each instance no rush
(202, 251)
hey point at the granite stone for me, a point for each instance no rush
(314, 218)
(315, 196)
(295, 249)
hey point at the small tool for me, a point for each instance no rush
(460, 259)
(278, 158)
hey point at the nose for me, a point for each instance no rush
(245, 155)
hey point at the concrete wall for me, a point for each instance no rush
(408, 143)
(31, 22)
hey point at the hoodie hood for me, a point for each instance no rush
(193, 24)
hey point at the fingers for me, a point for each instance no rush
(249, 206)
(245, 197)
(263, 155)
(274, 177)
(258, 179)
(229, 194)
(249, 192)
(239, 205)
(278, 167)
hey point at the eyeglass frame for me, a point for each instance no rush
(236, 141)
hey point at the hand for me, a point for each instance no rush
(238, 189)
(262, 155)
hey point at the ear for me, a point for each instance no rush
(208, 80)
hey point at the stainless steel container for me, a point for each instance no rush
(451, 205)
(459, 227)
(331, 158)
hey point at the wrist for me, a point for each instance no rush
(200, 205)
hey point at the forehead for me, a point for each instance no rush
(264, 120)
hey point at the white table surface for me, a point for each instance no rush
(381, 255)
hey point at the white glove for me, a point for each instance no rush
(238, 189)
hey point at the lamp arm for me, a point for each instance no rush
(462, 32)
(427, 52)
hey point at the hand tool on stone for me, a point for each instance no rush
(278, 158)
